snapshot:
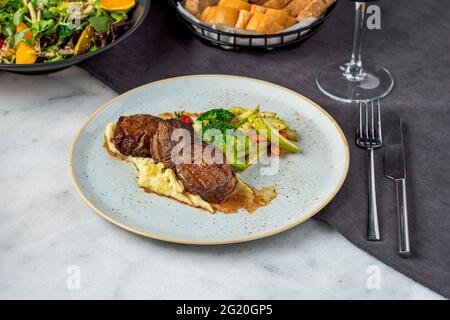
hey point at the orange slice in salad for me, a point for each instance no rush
(22, 26)
(25, 54)
(117, 5)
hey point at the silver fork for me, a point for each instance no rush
(369, 137)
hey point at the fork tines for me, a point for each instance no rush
(369, 129)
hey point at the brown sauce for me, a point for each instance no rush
(248, 198)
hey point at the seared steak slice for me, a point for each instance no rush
(133, 134)
(162, 143)
(214, 182)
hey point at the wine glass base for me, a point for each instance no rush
(376, 84)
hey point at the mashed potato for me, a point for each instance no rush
(155, 177)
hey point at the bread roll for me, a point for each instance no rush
(290, 21)
(297, 6)
(197, 6)
(315, 9)
(276, 4)
(224, 15)
(255, 8)
(255, 23)
(272, 27)
(208, 14)
(281, 17)
(261, 23)
(237, 4)
(243, 19)
(204, 14)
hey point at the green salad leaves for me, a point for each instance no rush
(49, 30)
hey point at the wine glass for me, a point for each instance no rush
(355, 81)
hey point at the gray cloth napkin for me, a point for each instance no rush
(413, 43)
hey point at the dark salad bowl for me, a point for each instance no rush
(137, 17)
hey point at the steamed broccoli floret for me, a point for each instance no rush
(215, 115)
(233, 142)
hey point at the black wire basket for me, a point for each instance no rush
(234, 41)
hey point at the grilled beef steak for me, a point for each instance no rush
(133, 134)
(162, 143)
(213, 182)
(148, 136)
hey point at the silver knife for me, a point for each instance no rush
(394, 168)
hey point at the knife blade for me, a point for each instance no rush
(394, 153)
(394, 168)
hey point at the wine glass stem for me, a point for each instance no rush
(354, 69)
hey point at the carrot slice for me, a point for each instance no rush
(284, 133)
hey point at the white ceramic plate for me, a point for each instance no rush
(306, 182)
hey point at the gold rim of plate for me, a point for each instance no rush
(212, 242)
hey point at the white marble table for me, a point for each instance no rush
(50, 239)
